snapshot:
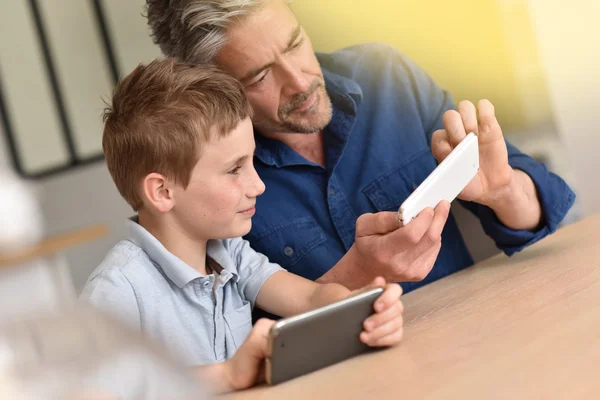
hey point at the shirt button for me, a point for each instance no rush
(206, 284)
(414, 186)
(288, 251)
(331, 191)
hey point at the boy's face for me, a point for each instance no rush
(219, 201)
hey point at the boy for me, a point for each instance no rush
(179, 146)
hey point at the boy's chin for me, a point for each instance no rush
(241, 229)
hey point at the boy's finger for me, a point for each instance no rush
(391, 295)
(376, 320)
(384, 330)
(390, 340)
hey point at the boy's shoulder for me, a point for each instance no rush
(124, 264)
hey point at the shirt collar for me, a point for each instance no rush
(176, 270)
(345, 95)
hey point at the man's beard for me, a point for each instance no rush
(311, 121)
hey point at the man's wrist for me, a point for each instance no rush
(351, 271)
(507, 194)
(517, 204)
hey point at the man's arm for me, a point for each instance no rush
(516, 198)
(383, 248)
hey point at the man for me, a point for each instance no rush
(343, 138)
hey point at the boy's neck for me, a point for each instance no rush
(190, 251)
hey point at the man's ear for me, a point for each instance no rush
(158, 192)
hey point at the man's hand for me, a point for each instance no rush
(385, 327)
(246, 367)
(511, 194)
(494, 172)
(400, 254)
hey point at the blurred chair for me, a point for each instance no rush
(83, 354)
(36, 278)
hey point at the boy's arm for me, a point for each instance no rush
(217, 376)
(245, 368)
(287, 294)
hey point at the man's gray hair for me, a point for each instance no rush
(195, 30)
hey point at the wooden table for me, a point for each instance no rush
(53, 244)
(527, 327)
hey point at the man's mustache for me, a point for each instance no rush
(300, 98)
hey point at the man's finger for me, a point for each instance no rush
(376, 224)
(434, 234)
(454, 126)
(409, 235)
(468, 113)
(440, 145)
(489, 128)
(439, 218)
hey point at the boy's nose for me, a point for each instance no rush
(257, 187)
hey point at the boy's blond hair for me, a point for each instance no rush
(160, 115)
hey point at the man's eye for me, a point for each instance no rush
(297, 45)
(236, 170)
(261, 80)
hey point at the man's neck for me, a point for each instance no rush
(308, 145)
(190, 251)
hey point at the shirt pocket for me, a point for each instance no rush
(287, 243)
(239, 323)
(388, 191)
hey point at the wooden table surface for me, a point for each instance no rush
(527, 327)
(53, 244)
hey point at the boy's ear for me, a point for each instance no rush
(158, 192)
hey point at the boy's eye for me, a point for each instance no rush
(235, 170)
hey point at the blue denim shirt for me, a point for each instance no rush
(385, 110)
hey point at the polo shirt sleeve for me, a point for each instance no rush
(556, 197)
(254, 268)
(111, 292)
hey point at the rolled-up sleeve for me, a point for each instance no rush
(253, 268)
(556, 198)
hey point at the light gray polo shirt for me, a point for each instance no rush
(200, 319)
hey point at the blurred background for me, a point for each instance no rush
(536, 60)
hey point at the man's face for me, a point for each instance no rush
(269, 52)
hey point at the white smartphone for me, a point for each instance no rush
(445, 182)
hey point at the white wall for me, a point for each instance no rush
(75, 199)
(569, 39)
(85, 195)
(82, 197)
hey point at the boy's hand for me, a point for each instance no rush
(246, 367)
(384, 328)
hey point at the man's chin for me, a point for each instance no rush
(305, 124)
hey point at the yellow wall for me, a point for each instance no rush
(462, 44)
